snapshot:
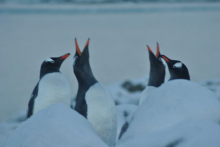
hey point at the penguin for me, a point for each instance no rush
(156, 78)
(93, 100)
(52, 87)
(156, 75)
(177, 69)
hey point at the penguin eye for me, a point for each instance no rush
(159, 59)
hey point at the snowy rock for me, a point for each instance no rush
(55, 126)
(173, 102)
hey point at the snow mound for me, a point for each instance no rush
(173, 102)
(55, 126)
(123, 111)
(193, 133)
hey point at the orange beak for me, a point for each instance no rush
(158, 50)
(87, 43)
(149, 49)
(77, 47)
(65, 56)
(165, 58)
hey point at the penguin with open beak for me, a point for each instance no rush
(157, 73)
(93, 100)
(52, 87)
(177, 69)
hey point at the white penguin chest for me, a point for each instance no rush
(52, 88)
(101, 113)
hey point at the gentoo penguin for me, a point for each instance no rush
(52, 86)
(93, 100)
(156, 78)
(177, 69)
(157, 73)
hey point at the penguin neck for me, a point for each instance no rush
(85, 78)
(179, 76)
(157, 75)
(43, 72)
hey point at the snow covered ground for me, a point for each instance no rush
(119, 57)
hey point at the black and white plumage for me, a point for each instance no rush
(177, 69)
(156, 78)
(157, 73)
(93, 100)
(52, 86)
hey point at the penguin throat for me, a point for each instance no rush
(43, 72)
(157, 75)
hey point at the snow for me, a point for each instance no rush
(193, 133)
(119, 34)
(55, 126)
(123, 112)
(173, 102)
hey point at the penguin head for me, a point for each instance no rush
(177, 69)
(52, 64)
(155, 60)
(81, 59)
(81, 65)
(157, 68)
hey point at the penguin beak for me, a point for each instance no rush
(149, 49)
(87, 43)
(78, 52)
(65, 56)
(158, 51)
(165, 58)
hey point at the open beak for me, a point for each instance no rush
(157, 53)
(65, 56)
(78, 51)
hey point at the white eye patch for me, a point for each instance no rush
(74, 60)
(178, 65)
(49, 60)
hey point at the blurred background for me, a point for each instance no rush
(33, 30)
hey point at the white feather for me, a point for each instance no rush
(101, 113)
(53, 88)
(49, 60)
(178, 65)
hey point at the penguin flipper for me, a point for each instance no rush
(31, 102)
